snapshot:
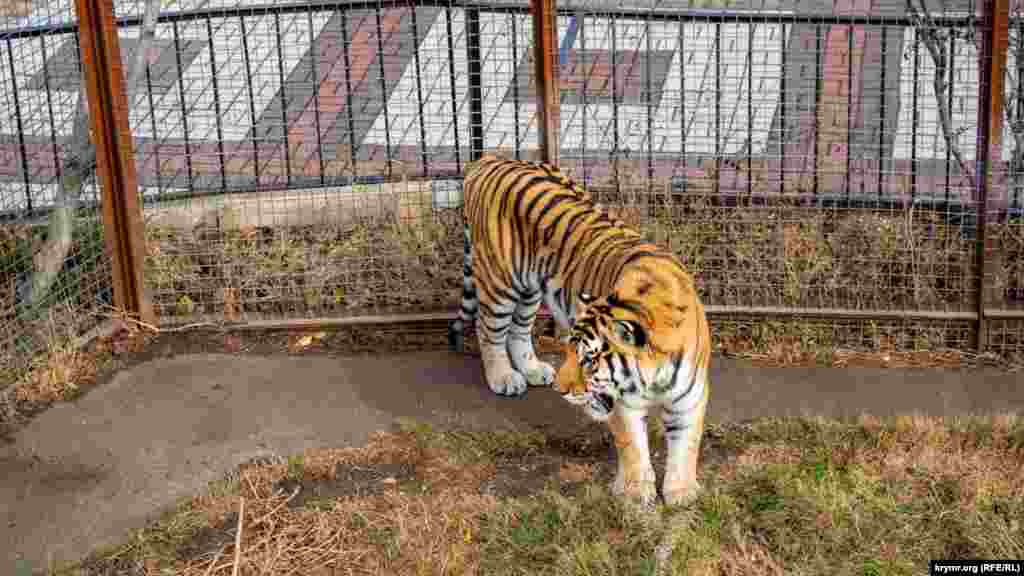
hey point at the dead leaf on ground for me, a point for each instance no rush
(233, 343)
(306, 340)
(573, 472)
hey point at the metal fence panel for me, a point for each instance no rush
(303, 160)
(290, 161)
(803, 159)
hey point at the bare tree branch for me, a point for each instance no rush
(78, 165)
(935, 40)
(1013, 102)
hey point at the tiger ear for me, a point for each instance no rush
(570, 376)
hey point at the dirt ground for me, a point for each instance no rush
(186, 409)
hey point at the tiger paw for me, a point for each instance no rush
(643, 491)
(508, 384)
(577, 399)
(682, 496)
(540, 374)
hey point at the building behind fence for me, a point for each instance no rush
(815, 165)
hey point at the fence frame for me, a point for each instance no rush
(103, 77)
(122, 207)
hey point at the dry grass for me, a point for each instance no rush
(64, 362)
(61, 367)
(35, 339)
(783, 496)
(317, 271)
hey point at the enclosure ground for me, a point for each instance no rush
(782, 496)
(82, 474)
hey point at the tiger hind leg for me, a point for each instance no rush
(520, 344)
(493, 334)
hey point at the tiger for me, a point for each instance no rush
(635, 335)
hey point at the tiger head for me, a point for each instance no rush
(631, 340)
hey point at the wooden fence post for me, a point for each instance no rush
(104, 83)
(545, 58)
(992, 67)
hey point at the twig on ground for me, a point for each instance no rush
(209, 569)
(252, 487)
(119, 315)
(238, 536)
(266, 516)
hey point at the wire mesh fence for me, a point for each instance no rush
(800, 160)
(286, 141)
(303, 160)
(54, 265)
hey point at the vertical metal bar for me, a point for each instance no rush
(314, 48)
(21, 129)
(78, 51)
(283, 90)
(991, 65)
(650, 113)
(181, 99)
(750, 110)
(614, 67)
(476, 93)
(158, 166)
(849, 105)
(115, 165)
(682, 96)
(216, 103)
(350, 121)
(515, 81)
(588, 69)
(718, 108)
(818, 80)
(949, 102)
(419, 91)
(782, 112)
(49, 109)
(914, 122)
(545, 57)
(883, 99)
(451, 84)
(252, 101)
(384, 91)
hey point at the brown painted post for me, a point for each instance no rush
(992, 65)
(103, 79)
(545, 58)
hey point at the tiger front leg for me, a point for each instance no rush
(635, 478)
(684, 428)
(520, 345)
